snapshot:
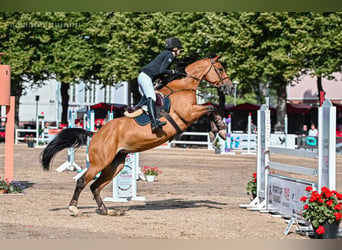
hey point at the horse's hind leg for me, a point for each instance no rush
(106, 176)
(80, 185)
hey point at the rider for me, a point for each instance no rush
(158, 66)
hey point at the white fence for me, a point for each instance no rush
(190, 142)
(276, 193)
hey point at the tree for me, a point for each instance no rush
(41, 46)
(320, 48)
(259, 49)
(272, 49)
(24, 46)
(258, 46)
(70, 56)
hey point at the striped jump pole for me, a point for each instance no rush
(89, 124)
(70, 164)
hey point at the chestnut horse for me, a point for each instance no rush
(110, 145)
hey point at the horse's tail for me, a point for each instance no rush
(70, 137)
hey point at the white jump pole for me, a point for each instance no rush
(327, 146)
(125, 183)
(264, 133)
(228, 122)
(89, 121)
(70, 164)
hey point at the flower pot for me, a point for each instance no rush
(217, 151)
(30, 144)
(3, 191)
(331, 231)
(150, 178)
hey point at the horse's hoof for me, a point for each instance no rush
(101, 212)
(121, 212)
(222, 134)
(75, 211)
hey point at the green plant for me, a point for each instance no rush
(252, 186)
(322, 207)
(11, 187)
(29, 138)
(216, 143)
(4, 184)
(151, 171)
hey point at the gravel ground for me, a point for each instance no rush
(196, 197)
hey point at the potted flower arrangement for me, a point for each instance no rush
(10, 187)
(324, 211)
(151, 173)
(29, 140)
(217, 145)
(252, 186)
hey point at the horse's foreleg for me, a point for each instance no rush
(106, 176)
(217, 123)
(221, 126)
(200, 110)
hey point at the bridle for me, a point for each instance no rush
(217, 72)
(212, 65)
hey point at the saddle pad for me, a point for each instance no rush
(167, 104)
(144, 118)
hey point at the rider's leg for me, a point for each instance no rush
(146, 85)
(155, 123)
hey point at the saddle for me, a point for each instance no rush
(140, 113)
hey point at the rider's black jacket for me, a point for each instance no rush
(159, 65)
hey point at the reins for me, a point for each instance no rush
(199, 80)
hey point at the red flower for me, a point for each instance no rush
(254, 175)
(329, 203)
(339, 196)
(338, 216)
(338, 206)
(255, 180)
(306, 206)
(320, 230)
(308, 189)
(314, 198)
(303, 198)
(325, 190)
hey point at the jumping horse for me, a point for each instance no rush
(110, 145)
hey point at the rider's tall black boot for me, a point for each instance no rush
(155, 123)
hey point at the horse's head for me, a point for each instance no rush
(217, 76)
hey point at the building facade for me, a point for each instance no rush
(47, 99)
(305, 91)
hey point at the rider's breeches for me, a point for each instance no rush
(146, 86)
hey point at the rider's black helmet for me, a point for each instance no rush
(172, 43)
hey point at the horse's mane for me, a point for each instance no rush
(180, 65)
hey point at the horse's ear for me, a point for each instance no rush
(217, 57)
